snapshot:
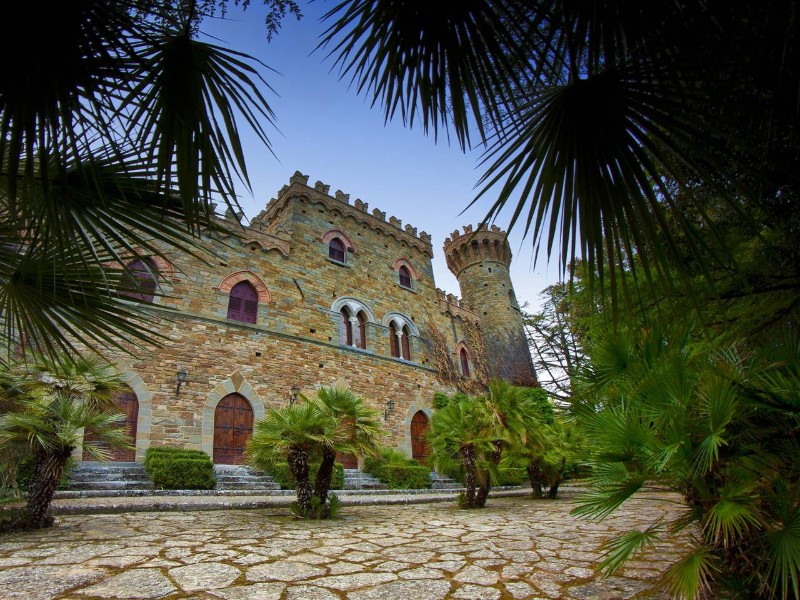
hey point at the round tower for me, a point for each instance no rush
(480, 260)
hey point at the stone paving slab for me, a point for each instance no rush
(514, 548)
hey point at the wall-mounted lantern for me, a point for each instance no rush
(181, 378)
(388, 410)
(293, 397)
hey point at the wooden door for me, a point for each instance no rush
(233, 426)
(419, 443)
(348, 461)
(128, 405)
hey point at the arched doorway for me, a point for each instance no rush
(128, 404)
(419, 444)
(233, 426)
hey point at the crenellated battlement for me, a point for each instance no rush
(475, 246)
(342, 198)
(457, 307)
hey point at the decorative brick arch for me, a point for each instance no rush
(399, 320)
(463, 346)
(235, 384)
(404, 262)
(231, 280)
(337, 233)
(354, 305)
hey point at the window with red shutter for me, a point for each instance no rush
(362, 330)
(243, 303)
(336, 250)
(406, 345)
(139, 282)
(405, 277)
(395, 348)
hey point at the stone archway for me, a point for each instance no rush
(233, 427)
(238, 385)
(420, 426)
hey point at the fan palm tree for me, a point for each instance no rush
(603, 121)
(717, 424)
(505, 422)
(300, 433)
(358, 432)
(459, 433)
(49, 406)
(111, 147)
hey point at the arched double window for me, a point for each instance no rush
(399, 344)
(354, 328)
(139, 282)
(354, 316)
(243, 303)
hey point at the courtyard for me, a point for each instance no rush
(514, 548)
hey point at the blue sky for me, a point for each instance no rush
(328, 132)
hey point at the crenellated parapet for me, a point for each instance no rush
(340, 202)
(449, 303)
(470, 247)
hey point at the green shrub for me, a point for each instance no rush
(171, 452)
(281, 473)
(511, 476)
(406, 477)
(179, 469)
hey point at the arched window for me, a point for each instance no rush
(336, 250)
(393, 341)
(243, 303)
(464, 362)
(139, 282)
(404, 340)
(405, 276)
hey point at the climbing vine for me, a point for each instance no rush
(440, 359)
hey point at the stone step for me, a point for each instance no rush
(110, 485)
(242, 477)
(247, 485)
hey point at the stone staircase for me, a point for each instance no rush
(442, 482)
(357, 480)
(240, 477)
(109, 477)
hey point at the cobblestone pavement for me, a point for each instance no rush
(514, 548)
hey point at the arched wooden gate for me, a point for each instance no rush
(419, 444)
(233, 426)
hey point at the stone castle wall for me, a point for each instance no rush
(297, 337)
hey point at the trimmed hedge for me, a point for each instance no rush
(179, 469)
(280, 472)
(397, 470)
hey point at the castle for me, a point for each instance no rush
(316, 291)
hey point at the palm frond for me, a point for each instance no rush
(690, 578)
(620, 549)
(783, 569)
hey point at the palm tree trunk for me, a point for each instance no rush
(322, 484)
(535, 475)
(46, 475)
(468, 456)
(485, 481)
(553, 493)
(298, 463)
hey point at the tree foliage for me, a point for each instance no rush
(715, 422)
(47, 406)
(112, 145)
(603, 121)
